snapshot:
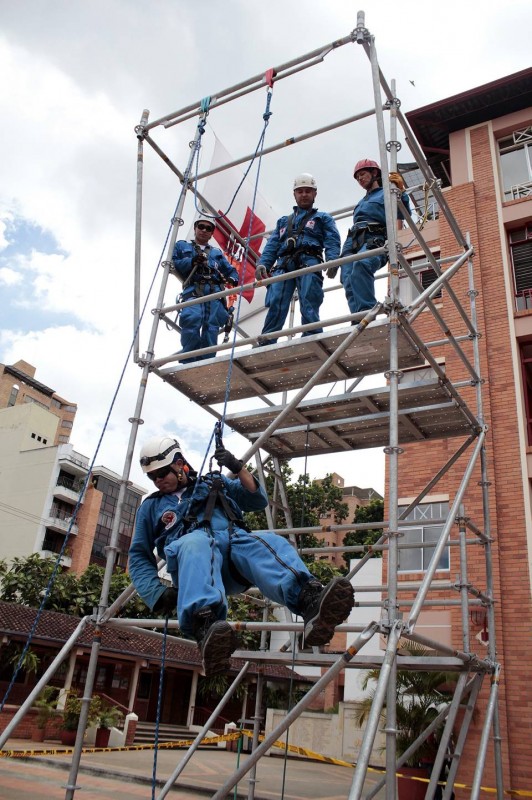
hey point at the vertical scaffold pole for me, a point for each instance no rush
(139, 130)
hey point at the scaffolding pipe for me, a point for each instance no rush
(138, 233)
(442, 541)
(252, 84)
(292, 715)
(203, 732)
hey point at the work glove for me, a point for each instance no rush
(228, 460)
(331, 272)
(167, 602)
(397, 179)
(232, 282)
(199, 259)
(261, 272)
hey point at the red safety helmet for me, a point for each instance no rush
(365, 163)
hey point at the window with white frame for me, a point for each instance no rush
(520, 243)
(427, 531)
(515, 153)
(425, 274)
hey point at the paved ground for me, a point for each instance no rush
(128, 776)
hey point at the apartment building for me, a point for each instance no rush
(353, 496)
(40, 486)
(18, 385)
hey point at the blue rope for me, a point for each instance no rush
(159, 706)
(266, 117)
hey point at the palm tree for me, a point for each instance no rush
(419, 698)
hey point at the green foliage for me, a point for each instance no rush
(308, 501)
(240, 609)
(72, 711)
(217, 685)
(10, 656)
(419, 697)
(25, 582)
(373, 512)
(108, 716)
(46, 703)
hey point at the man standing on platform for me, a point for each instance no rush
(299, 240)
(367, 233)
(204, 270)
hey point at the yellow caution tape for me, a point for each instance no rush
(231, 737)
(327, 759)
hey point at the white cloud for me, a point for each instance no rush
(9, 277)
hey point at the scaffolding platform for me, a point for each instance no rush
(356, 420)
(289, 365)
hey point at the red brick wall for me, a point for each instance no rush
(474, 206)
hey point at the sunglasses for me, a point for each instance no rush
(205, 227)
(157, 474)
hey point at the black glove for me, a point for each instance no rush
(227, 459)
(199, 259)
(232, 282)
(167, 602)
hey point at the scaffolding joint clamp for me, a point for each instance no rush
(137, 420)
(397, 373)
(140, 132)
(393, 143)
(177, 221)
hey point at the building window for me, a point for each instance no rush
(516, 164)
(418, 559)
(70, 409)
(66, 423)
(29, 399)
(425, 275)
(63, 439)
(13, 396)
(525, 351)
(55, 403)
(520, 242)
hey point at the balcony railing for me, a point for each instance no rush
(523, 300)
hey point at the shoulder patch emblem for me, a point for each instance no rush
(310, 223)
(169, 519)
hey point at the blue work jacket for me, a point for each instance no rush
(219, 267)
(320, 231)
(371, 208)
(160, 519)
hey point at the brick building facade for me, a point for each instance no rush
(492, 202)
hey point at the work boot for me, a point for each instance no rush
(323, 608)
(216, 641)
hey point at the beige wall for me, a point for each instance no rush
(26, 471)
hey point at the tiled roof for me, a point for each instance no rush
(54, 629)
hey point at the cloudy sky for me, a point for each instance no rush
(76, 76)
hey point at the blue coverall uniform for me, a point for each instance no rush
(367, 233)
(319, 234)
(200, 324)
(207, 566)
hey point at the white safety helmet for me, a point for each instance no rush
(158, 452)
(305, 179)
(205, 220)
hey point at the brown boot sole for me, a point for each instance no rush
(335, 604)
(216, 649)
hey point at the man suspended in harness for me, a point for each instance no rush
(196, 524)
(298, 240)
(367, 233)
(203, 270)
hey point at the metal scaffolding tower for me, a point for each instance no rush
(421, 401)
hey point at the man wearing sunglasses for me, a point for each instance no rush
(197, 526)
(203, 269)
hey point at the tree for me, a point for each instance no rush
(25, 581)
(373, 512)
(308, 502)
